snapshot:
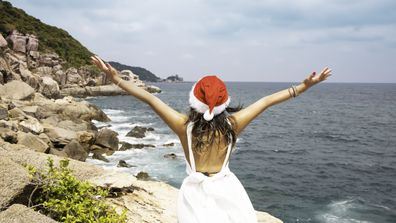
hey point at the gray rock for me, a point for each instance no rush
(100, 157)
(3, 42)
(44, 71)
(139, 131)
(14, 178)
(31, 125)
(32, 43)
(17, 114)
(18, 41)
(29, 110)
(72, 76)
(142, 176)
(18, 90)
(75, 151)
(49, 59)
(46, 139)
(3, 112)
(22, 155)
(153, 89)
(49, 87)
(168, 144)
(57, 152)
(59, 136)
(107, 138)
(32, 142)
(8, 135)
(97, 149)
(19, 213)
(60, 77)
(122, 163)
(126, 146)
(170, 155)
(31, 79)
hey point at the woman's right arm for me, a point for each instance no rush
(243, 117)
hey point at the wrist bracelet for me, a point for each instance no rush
(295, 91)
(291, 95)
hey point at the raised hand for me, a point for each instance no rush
(312, 79)
(105, 67)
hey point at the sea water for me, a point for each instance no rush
(327, 156)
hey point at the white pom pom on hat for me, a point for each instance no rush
(209, 96)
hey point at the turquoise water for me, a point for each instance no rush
(328, 155)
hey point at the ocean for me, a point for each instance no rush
(327, 156)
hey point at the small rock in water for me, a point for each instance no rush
(170, 155)
(126, 146)
(139, 131)
(169, 144)
(122, 163)
(142, 176)
(99, 156)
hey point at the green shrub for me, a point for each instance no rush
(64, 198)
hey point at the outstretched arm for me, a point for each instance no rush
(246, 115)
(171, 117)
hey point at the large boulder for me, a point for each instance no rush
(17, 114)
(16, 89)
(14, 179)
(31, 125)
(18, 41)
(49, 59)
(8, 135)
(49, 87)
(75, 151)
(59, 136)
(107, 138)
(19, 213)
(44, 71)
(73, 77)
(3, 42)
(32, 142)
(32, 43)
(29, 78)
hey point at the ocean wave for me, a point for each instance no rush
(109, 111)
(352, 210)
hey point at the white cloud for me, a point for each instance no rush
(255, 38)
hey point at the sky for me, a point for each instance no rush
(237, 40)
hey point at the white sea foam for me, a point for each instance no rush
(343, 211)
(112, 111)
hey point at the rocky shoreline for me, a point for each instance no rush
(40, 118)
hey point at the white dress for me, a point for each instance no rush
(220, 198)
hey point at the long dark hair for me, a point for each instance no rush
(219, 123)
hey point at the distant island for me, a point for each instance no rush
(173, 78)
(144, 74)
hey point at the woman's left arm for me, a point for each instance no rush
(171, 117)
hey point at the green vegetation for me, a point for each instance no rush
(143, 74)
(50, 38)
(64, 198)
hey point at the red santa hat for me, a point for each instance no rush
(209, 96)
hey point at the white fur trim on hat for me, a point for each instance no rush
(201, 107)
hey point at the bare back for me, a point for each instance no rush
(210, 157)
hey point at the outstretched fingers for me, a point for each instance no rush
(325, 74)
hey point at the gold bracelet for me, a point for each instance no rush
(295, 91)
(291, 95)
